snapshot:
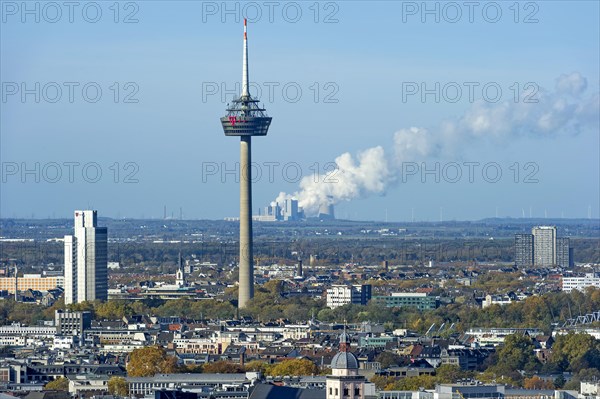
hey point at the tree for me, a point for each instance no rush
(192, 368)
(450, 373)
(559, 381)
(223, 367)
(388, 359)
(516, 354)
(151, 360)
(536, 382)
(118, 386)
(381, 381)
(294, 367)
(257, 365)
(493, 378)
(575, 352)
(59, 384)
(412, 383)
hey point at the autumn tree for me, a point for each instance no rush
(151, 360)
(516, 354)
(294, 367)
(257, 365)
(118, 386)
(223, 367)
(574, 352)
(536, 382)
(413, 383)
(382, 381)
(387, 359)
(491, 377)
(59, 384)
(450, 373)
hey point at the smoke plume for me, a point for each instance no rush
(537, 113)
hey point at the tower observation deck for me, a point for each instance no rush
(245, 119)
(244, 115)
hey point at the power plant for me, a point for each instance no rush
(287, 211)
(245, 119)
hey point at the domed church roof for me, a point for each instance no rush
(344, 360)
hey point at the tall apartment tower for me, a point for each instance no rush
(544, 245)
(523, 250)
(564, 252)
(86, 261)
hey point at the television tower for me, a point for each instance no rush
(245, 119)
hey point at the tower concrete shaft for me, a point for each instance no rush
(246, 279)
(245, 118)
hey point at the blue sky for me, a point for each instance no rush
(353, 73)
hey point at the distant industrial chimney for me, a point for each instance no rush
(16, 283)
(326, 212)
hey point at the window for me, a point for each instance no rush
(346, 392)
(356, 391)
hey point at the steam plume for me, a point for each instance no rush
(566, 110)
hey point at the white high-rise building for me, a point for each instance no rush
(340, 295)
(86, 259)
(544, 245)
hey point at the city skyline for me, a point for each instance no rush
(357, 98)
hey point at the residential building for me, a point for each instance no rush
(564, 252)
(544, 245)
(523, 250)
(499, 300)
(543, 248)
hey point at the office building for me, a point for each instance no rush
(31, 282)
(86, 263)
(581, 283)
(417, 300)
(72, 323)
(340, 295)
